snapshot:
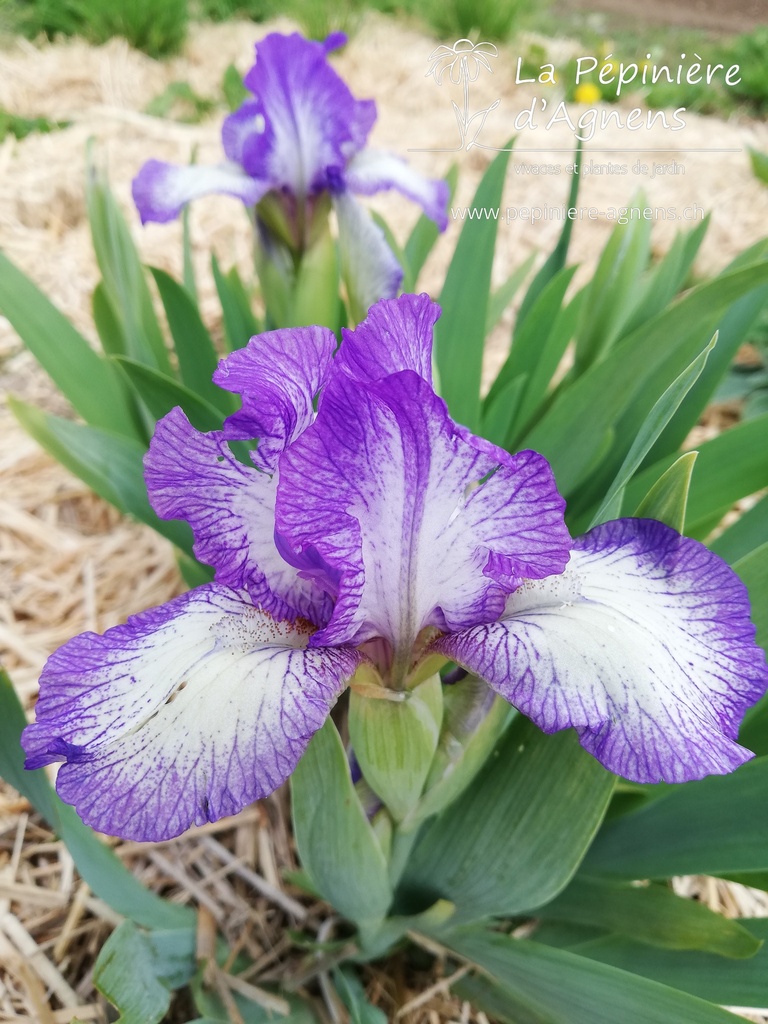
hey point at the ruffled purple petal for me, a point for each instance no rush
(316, 122)
(278, 375)
(161, 190)
(185, 714)
(374, 170)
(644, 645)
(396, 335)
(419, 527)
(231, 509)
(369, 267)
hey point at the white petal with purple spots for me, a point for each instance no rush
(644, 645)
(231, 509)
(185, 714)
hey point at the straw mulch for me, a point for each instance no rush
(68, 562)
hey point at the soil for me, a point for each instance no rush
(728, 16)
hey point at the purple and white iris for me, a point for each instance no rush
(375, 532)
(297, 145)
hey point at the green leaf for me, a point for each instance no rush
(98, 865)
(729, 982)
(161, 393)
(111, 465)
(573, 429)
(180, 102)
(667, 500)
(239, 321)
(501, 410)
(530, 342)
(353, 996)
(193, 572)
(651, 914)
(575, 990)
(464, 747)
(137, 970)
(34, 785)
(108, 325)
(86, 379)
(315, 298)
(336, 844)
(748, 532)
(235, 92)
(659, 416)
(613, 290)
(666, 279)
(504, 294)
(556, 260)
(712, 827)
(550, 356)
(753, 570)
(125, 283)
(729, 467)
(394, 742)
(759, 163)
(186, 246)
(422, 238)
(733, 329)
(541, 796)
(460, 333)
(503, 1005)
(194, 348)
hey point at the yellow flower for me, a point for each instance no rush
(587, 93)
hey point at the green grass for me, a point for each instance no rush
(20, 127)
(158, 27)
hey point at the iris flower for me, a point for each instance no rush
(373, 534)
(291, 150)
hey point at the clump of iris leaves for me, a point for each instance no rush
(541, 834)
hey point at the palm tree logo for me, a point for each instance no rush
(463, 62)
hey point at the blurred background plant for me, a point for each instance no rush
(157, 28)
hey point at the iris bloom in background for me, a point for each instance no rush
(293, 150)
(374, 533)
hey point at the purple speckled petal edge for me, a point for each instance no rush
(231, 509)
(183, 715)
(396, 335)
(278, 375)
(644, 645)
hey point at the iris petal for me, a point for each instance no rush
(230, 507)
(421, 527)
(644, 645)
(396, 335)
(369, 267)
(374, 170)
(278, 375)
(185, 714)
(161, 190)
(315, 121)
